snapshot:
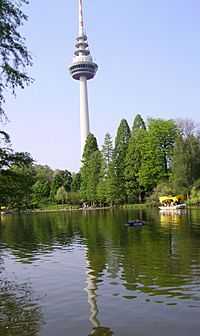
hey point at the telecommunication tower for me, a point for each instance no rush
(83, 68)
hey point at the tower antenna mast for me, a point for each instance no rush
(82, 69)
(81, 29)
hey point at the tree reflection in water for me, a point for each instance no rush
(20, 313)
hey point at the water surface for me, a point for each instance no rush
(85, 273)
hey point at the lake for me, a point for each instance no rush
(85, 273)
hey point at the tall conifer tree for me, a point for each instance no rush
(106, 152)
(118, 164)
(134, 190)
(90, 147)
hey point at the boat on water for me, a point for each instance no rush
(174, 207)
(171, 202)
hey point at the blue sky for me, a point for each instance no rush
(148, 53)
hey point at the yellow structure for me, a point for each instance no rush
(170, 199)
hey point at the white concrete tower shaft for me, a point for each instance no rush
(83, 68)
(84, 112)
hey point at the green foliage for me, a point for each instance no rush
(112, 190)
(90, 148)
(16, 175)
(195, 193)
(43, 176)
(40, 193)
(94, 167)
(73, 197)
(149, 162)
(43, 173)
(186, 163)
(16, 185)
(138, 123)
(107, 152)
(8, 157)
(119, 156)
(162, 189)
(133, 161)
(61, 178)
(157, 153)
(14, 57)
(76, 182)
(61, 195)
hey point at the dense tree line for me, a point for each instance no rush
(159, 157)
(149, 160)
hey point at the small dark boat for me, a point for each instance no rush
(135, 222)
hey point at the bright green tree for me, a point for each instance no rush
(195, 193)
(112, 188)
(61, 195)
(76, 182)
(43, 172)
(42, 186)
(94, 169)
(106, 152)
(90, 147)
(186, 163)
(16, 179)
(135, 191)
(61, 178)
(40, 192)
(138, 123)
(118, 166)
(157, 153)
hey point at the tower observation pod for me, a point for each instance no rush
(83, 68)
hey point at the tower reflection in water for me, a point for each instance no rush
(91, 290)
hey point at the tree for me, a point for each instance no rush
(138, 123)
(186, 163)
(61, 178)
(163, 188)
(61, 195)
(14, 56)
(16, 175)
(94, 168)
(106, 152)
(40, 192)
(43, 173)
(195, 193)
(42, 186)
(135, 191)
(76, 182)
(119, 155)
(90, 147)
(112, 190)
(157, 153)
